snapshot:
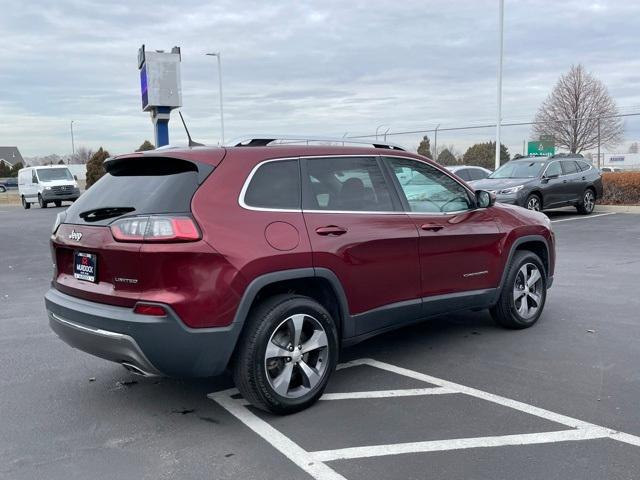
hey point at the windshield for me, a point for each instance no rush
(49, 174)
(520, 169)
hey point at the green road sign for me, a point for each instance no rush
(541, 148)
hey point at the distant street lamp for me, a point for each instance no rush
(73, 147)
(499, 112)
(379, 127)
(217, 55)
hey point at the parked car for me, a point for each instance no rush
(10, 183)
(268, 259)
(539, 183)
(469, 172)
(45, 185)
(610, 170)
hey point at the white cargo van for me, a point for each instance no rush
(45, 185)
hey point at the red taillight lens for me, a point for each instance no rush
(155, 229)
(147, 309)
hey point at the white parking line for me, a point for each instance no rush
(458, 444)
(585, 217)
(409, 392)
(314, 462)
(287, 447)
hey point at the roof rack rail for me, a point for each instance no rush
(265, 140)
(567, 155)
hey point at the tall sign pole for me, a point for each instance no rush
(160, 88)
(499, 114)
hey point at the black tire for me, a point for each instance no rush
(25, 204)
(587, 203)
(250, 368)
(534, 202)
(2, 189)
(41, 202)
(58, 203)
(505, 312)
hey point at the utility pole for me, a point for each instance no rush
(599, 142)
(73, 146)
(435, 144)
(499, 114)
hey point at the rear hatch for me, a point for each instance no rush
(136, 195)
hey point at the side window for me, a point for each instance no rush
(477, 174)
(275, 185)
(354, 184)
(584, 166)
(429, 189)
(569, 167)
(554, 169)
(464, 174)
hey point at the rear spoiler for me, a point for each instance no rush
(155, 165)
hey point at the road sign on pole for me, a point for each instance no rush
(541, 148)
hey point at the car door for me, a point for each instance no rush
(459, 244)
(359, 232)
(572, 181)
(553, 185)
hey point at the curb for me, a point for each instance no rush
(617, 209)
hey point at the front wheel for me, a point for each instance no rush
(2, 189)
(523, 293)
(287, 352)
(588, 202)
(58, 203)
(534, 203)
(41, 202)
(26, 205)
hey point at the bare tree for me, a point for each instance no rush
(571, 111)
(82, 155)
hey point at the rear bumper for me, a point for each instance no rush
(145, 344)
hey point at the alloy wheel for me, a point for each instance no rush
(527, 291)
(589, 201)
(296, 357)
(533, 204)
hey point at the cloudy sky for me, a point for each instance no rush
(324, 67)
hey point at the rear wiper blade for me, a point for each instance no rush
(96, 214)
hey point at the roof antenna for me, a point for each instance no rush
(191, 142)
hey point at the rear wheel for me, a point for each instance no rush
(2, 189)
(534, 202)
(41, 202)
(523, 292)
(588, 202)
(58, 203)
(25, 204)
(286, 354)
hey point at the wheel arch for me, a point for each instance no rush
(533, 243)
(318, 283)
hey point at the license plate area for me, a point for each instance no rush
(85, 266)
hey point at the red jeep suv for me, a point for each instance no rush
(267, 258)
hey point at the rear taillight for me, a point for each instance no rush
(155, 229)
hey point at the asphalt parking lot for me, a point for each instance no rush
(452, 398)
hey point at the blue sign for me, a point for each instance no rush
(143, 87)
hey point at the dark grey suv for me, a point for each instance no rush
(539, 183)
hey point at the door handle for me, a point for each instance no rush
(564, 181)
(431, 227)
(584, 178)
(331, 231)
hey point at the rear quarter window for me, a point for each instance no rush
(275, 184)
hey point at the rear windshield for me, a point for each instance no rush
(137, 187)
(49, 174)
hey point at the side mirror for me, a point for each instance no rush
(75, 177)
(485, 199)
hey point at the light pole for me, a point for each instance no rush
(378, 128)
(73, 147)
(499, 114)
(217, 55)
